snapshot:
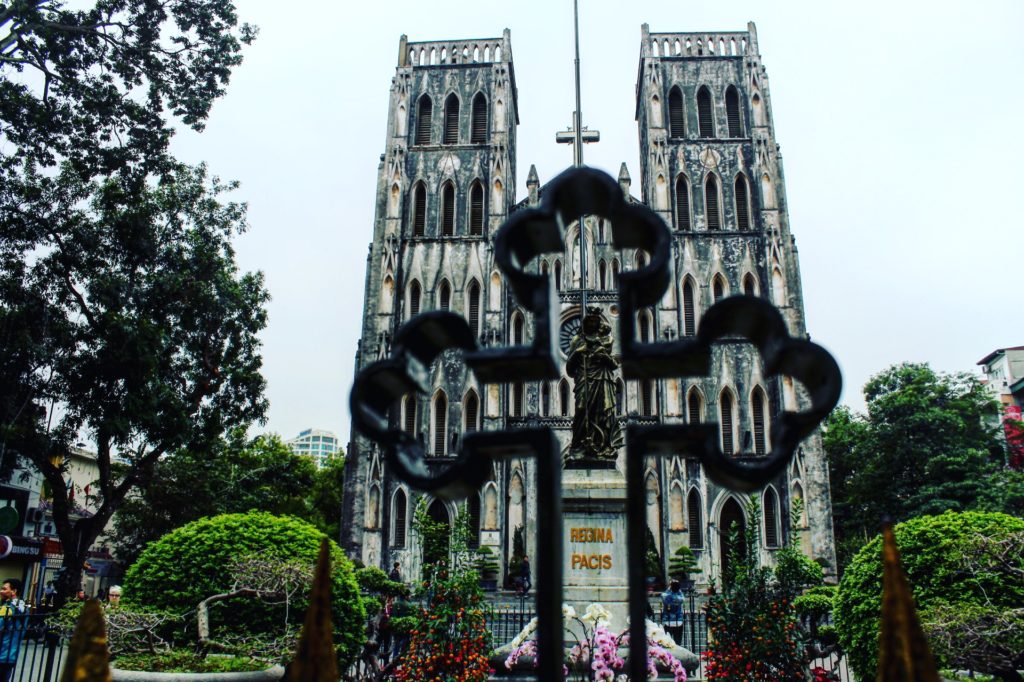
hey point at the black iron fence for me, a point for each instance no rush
(32, 647)
(505, 621)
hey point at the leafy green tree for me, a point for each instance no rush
(324, 498)
(127, 324)
(683, 564)
(234, 475)
(940, 557)
(926, 445)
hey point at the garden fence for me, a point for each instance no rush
(40, 647)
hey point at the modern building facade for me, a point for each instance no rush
(315, 443)
(710, 167)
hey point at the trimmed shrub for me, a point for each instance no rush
(933, 550)
(188, 564)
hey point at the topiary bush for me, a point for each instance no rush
(188, 564)
(933, 551)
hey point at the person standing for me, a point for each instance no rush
(672, 610)
(12, 626)
(114, 595)
(395, 574)
(524, 574)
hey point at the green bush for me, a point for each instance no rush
(187, 662)
(933, 551)
(187, 565)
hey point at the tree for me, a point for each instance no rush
(926, 445)
(234, 475)
(127, 324)
(967, 564)
(324, 498)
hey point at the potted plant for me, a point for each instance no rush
(486, 566)
(682, 565)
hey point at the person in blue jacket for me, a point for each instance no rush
(12, 626)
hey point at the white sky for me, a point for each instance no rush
(900, 127)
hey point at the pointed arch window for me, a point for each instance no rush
(444, 296)
(476, 209)
(711, 204)
(615, 273)
(725, 407)
(682, 203)
(620, 394)
(451, 119)
(757, 405)
(705, 112)
(478, 134)
(517, 329)
(693, 407)
(732, 112)
(401, 517)
(410, 414)
(558, 275)
(742, 203)
(602, 274)
(419, 210)
(676, 120)
(749, 285)
(689, 311)
(518, 398)
(474, 308)
(647, 397)
(424, 111)
(771, 518)
(718, 288)
(471, 412)
(448, 209)
(473, 511)
(646, 327)
(563, 397)
(545, 399)
(440, 424)
(415, 293)
(694, 514)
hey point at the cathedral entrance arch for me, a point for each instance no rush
(435, 539)
(732, 526)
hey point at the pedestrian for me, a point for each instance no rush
(49, 594)
(672, 610)
(114, 595)
(395, 574)
(524, 574)
(12, 626)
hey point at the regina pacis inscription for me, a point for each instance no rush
(595, 543)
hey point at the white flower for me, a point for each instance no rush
(525, 634)
(597, 615)
(568, 611)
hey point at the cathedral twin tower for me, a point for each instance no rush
(710, 167)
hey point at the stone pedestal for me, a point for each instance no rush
(594, 537)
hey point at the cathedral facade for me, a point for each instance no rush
(711, 169)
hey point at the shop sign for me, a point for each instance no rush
(20, 548)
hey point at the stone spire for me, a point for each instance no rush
(533, 185)
(624, 180)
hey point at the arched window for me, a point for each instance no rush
(694, 407)
(778, 287)
(615, 273)
(757, 409)
(676, 519)
(711, 204)
(725, 407)
(705, 112)
(749, 285)
(682, 203)
(718, 288)
(448, 209)
(478, 134)
(676, 120)
(620, 395)
(732, 111)
(771, 518)
(451, 119)
(444, 296)
(517, 329)
(410, 414)
(647, 397)
(563, 397)
(476, 209)
(646, 327)
(518, 397)
(545, 399)
(473, 511)
(414, 298)
(401, 519)
(471, 412)
(742, 203)
(558, 275)
(440, 425)
(419, 210)
(689, 309)
(694, 514)
(424, 110)
(474, 308)
(602, 273)
(373, 508)
(641, 260)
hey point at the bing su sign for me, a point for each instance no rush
(20, 548)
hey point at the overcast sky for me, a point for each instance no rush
(900, 127)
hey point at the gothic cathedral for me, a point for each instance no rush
(711, 168)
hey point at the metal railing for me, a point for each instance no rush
(32, 646)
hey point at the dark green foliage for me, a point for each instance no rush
(486, 564)
(178, 661)
(934, 551)
(682, 564)
(187, 565)
(652, 559)
(518, 552)
(372, 579)
(233, 475)
(928, 444)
